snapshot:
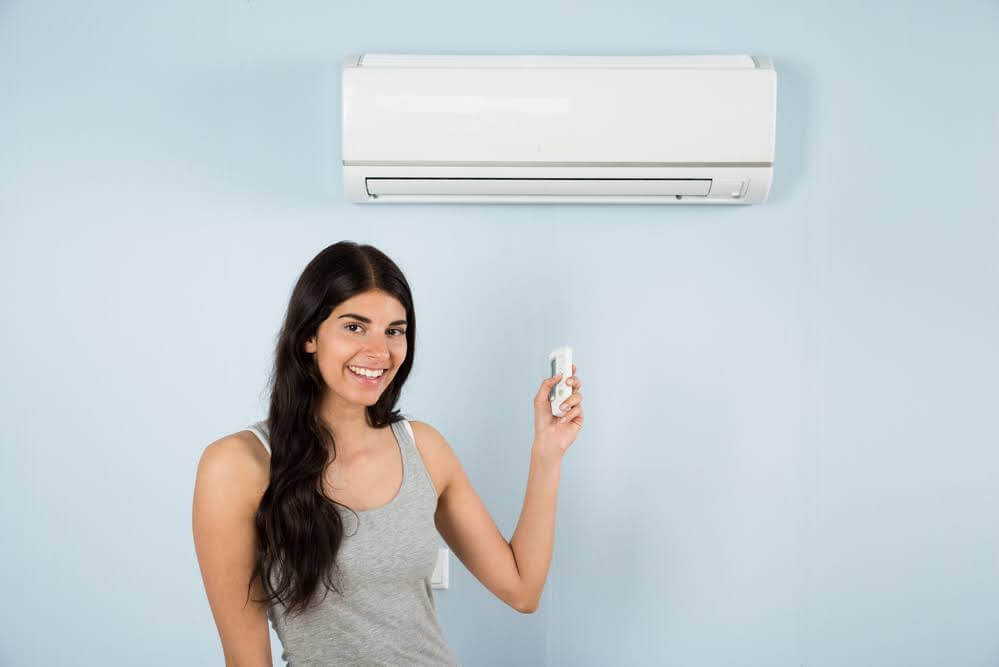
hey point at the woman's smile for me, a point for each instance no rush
(367, 381)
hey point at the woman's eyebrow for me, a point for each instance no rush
(368, 321)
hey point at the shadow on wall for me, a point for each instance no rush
(792, 127)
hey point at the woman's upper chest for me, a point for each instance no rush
(373, 477)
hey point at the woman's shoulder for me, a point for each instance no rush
(422, 428)
(437, 454)
(237, 463)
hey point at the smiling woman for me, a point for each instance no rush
(312, 499)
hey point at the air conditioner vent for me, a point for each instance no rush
(698, 187)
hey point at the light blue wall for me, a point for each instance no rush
(790, 454)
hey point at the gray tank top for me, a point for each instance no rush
(387, 615)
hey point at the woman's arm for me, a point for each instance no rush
(228, 487)
(534, 535)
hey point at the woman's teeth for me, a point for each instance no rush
(365, 372)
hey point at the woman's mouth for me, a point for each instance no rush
(363, 379)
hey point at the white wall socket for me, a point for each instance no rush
(439, 578)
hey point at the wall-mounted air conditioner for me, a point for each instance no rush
(559, 129)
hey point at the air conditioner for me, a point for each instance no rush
(559, 129)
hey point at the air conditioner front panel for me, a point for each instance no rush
(557, 116)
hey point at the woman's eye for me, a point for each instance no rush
(355, 324)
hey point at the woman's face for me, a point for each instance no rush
(367, 331)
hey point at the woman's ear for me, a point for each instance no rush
(310, 345)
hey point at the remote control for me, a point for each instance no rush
(560, 361)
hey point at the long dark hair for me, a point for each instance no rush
(299, 528)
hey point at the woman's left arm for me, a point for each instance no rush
(535, 533)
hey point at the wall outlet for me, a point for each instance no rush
(439, 578)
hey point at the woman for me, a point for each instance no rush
(337, 490)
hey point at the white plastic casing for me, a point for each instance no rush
(439, 578)
(560, 361)
(559, 129)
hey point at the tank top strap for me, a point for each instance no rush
(259, 429)
(417, 475)
(404, 435)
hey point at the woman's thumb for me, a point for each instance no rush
(545, 386)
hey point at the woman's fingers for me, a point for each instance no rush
(571, 414)
(573, 400)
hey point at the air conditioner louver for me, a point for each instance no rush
(594, 187)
